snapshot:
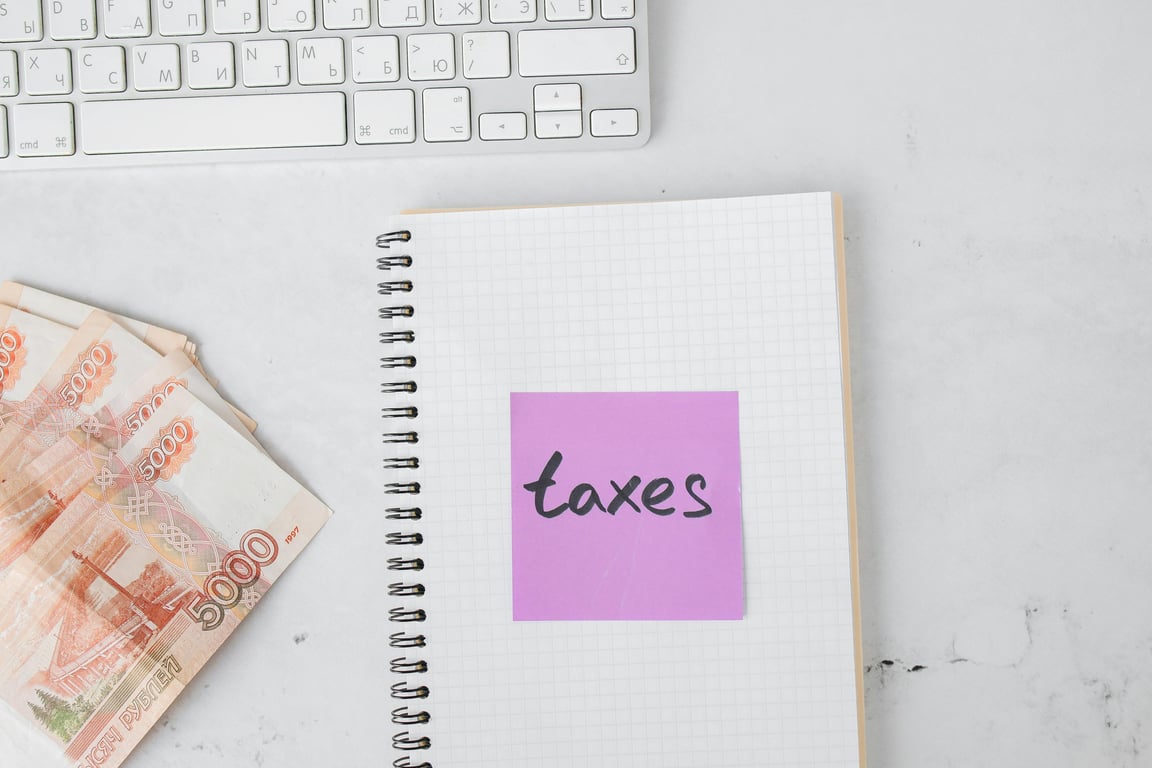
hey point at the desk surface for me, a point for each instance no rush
(995, 163)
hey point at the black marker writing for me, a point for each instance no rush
(584, 497)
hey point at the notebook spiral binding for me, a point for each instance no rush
(406, 669)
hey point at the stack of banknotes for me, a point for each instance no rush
(140, 522)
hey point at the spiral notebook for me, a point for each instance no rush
(617, 455)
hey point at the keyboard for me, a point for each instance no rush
(130, 82)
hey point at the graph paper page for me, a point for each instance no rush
(724, 295)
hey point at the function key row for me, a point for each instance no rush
(22, 20)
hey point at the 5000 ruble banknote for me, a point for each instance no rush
(100, 359)
(29, 345)
(105, 619)
(72, 313)
(31, 500)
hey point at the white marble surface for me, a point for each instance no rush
(995, 161)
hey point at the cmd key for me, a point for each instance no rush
(43, 130)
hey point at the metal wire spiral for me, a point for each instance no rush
(403, 667)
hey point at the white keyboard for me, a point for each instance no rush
(129, 82)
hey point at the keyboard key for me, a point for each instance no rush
(48, 71)
(385, 117)
(447, 12)
(558, 125)
(589, 51)
(567, 10)
(320, 61)
(447, 114)
(233, 17)
(9, 80)
(43, 130)
(211, 65)
(253, 121)
(21, 22)
(345, 14)
(376, 59)
(3, 131)
(431, 57)
(265, 63)
(511, 11)
(401, 13)
(157, 67)
(72, 19)
(102, 69)
(180, 17)
(618, 9)
(126, 18)
(291, 15)
(486, 55)
(558, 97)
(615, 122)
(503, 126)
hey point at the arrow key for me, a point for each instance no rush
(561, 97)
(558, 125)
(503, 126)
(615, 122)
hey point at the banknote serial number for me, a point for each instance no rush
(239, 570)
(80, 386)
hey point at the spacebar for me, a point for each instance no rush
(213, 122)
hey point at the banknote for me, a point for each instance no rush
(29, 345)
(141, 578)
(72, 313)
(100, 359)
(31, 501)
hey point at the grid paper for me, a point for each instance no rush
(735, 294)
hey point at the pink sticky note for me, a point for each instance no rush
(626, 506)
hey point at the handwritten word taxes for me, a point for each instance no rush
(583, 498)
